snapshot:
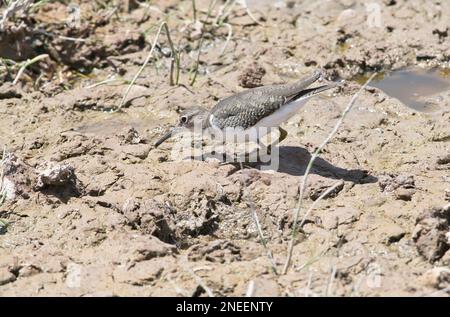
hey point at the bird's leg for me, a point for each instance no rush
(262, 147)
(283, 135)
(265, 149)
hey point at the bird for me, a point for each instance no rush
(251, 114)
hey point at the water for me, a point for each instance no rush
(106, 124)
(418, 89)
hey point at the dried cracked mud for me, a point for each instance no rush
(91, 208)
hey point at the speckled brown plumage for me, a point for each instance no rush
(245, 109)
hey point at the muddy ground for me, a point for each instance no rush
(93, 209)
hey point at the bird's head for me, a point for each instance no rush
(192, 119)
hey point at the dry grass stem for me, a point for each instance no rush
(27, 63)
(322, 196)
(13, 8)
(259, 229)
(329, 289)
(308, 169)
(147, 60)
(250, 289)
(212, 4)
(200, 282)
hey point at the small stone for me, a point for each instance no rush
(404, 194)
(391, 182)
(8, 90)
(394, 233)
(55, 176)
(443, 160)
(29, 270)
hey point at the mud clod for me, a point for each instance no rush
(131, 136)
(150, 217)
(8, 90)
(251, 76)
(58, 175)
(390, 182)
(430, 233)
(404, 194)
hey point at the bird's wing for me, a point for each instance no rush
(245, 109)
(249, 107)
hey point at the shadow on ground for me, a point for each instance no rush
(293, 160)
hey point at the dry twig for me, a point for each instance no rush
(308, 169)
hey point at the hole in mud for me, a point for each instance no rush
(418, 89)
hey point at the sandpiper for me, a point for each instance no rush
(244, 114)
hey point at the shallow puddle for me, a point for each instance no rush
(418, 89)
(103, 124)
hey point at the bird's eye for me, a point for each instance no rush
(184, 119)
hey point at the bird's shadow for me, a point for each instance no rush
(294, 160)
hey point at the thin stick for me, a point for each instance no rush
(2, 178)
(322, 196)
(181, 291)
(28, 63)
(103, 82)
(250, 14)
(308, 169)
(174, 56)
(230, 34)
(308, 286)
(222, 16)
(356, 286)
(313, 259)
(147, 60)
(260, 232)
(200, 282)
(13, 8)
(194, 11)
(212, 4)
(330, 281)
(250, 289)
(220, 12)
(150, 8)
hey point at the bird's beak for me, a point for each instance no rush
(165, 137)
